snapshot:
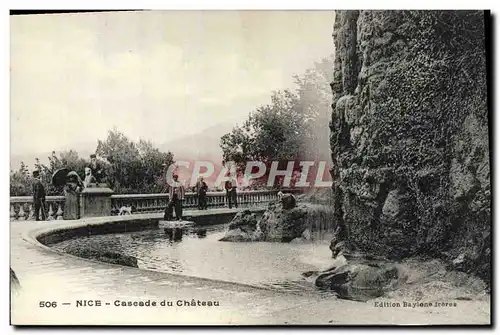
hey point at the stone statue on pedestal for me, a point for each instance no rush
(89, 178)
(83, 198)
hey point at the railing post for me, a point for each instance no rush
(21, 213)
(51, 213)
(12, 212)
(31, 214)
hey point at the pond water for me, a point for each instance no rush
(263, 264)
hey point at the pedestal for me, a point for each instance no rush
(95, 201)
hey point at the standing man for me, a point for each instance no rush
(38, 196)
(175, 198)
(96, 168)
(230, 187)
(233, 193)
(201, 191)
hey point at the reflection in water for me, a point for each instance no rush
(199, 253)
(174, 234)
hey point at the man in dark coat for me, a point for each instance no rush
(201, 191)
(232, 197)
(176, 195)
(38, 196)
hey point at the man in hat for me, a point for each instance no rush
(175, 197)
(96, 169)
(38, 196)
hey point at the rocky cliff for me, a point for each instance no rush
(409, 135)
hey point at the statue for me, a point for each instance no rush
(96, 170)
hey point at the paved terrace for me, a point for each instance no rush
(47, 275)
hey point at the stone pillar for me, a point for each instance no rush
(71, 206)
(95, 201)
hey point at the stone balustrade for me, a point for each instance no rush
(22, 209)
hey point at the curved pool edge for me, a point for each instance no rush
(32, 237)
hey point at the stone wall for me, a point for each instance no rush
(409, 134)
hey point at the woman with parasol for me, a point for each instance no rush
(72, 185)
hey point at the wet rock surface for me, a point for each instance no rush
(288, 201)
(295, 225)
(358, 281)
(244, 220)
(364, 277)
(283, 221)
(15, 285)
(243, 228)
(289, 220)
(281, 224)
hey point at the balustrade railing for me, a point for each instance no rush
(22, 208)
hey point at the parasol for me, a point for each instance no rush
(59, 177)
(73, 174)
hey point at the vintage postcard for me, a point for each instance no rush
(321, 167)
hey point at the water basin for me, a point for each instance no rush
(264, 264)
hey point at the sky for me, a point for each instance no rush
(156, 75)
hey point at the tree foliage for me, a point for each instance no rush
(20, 181)
(293, 127)
(129, 167)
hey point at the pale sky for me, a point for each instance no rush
(156, 75)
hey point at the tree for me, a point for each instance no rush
(123, 158)
(152, 160)
(72, 161)
(129, 167)
(20, 182)
(24, 169)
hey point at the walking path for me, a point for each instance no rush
(48, 276)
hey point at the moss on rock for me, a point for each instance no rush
(409, 133)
